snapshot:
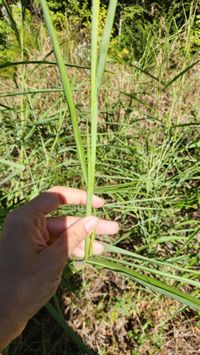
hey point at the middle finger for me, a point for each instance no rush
(57, 225)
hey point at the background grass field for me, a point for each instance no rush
(148, 170)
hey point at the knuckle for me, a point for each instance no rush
(82, 198)
(36, 221)
(22, 218)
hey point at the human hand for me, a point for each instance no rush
(34, 250)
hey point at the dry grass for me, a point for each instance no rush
(113, 316)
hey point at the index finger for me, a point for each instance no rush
(51, 199)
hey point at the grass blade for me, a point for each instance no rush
(47, 62)
(147, 73)
(12, 21)
(106, 40)
(113, 249)
(148, 281)
(97, 70)
(158, 272)
(7, 108)
(179, 75)
(94, 114)
(66, 85)
(31, 92)
(17, 169)
(11, 164)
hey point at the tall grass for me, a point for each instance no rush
(97, 68)
(125, 266)
(147, 160)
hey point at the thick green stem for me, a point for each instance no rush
(94, 116)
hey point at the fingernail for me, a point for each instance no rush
(90, 224)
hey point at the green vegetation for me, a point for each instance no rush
(146, 151)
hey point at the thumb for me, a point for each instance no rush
(73, 236)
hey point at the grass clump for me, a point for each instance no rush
(146, 158)
(113, 264)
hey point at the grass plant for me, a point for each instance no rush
(143, 154)
(97, 68)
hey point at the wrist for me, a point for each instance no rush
(13, 320)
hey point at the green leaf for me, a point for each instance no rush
(105, 41)
(113, 249)
(179, 75)
(39, 62)
(66, 86)
(94, 115)
(97, 70)
(12, 21)
(147, 281)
